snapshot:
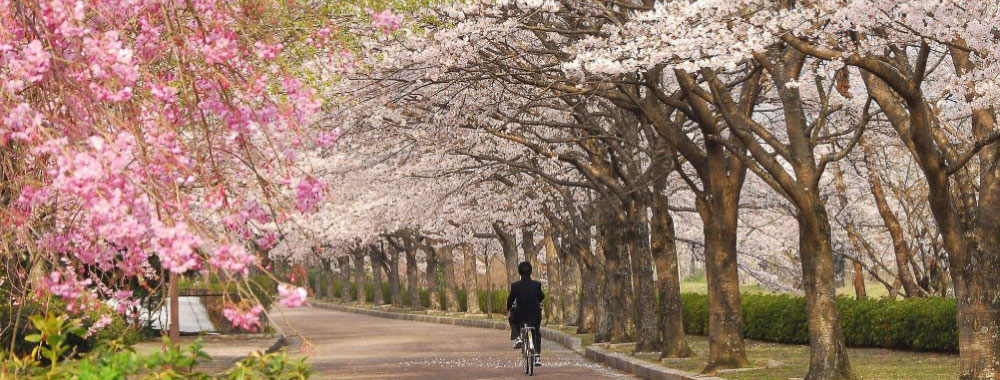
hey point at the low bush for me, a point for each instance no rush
(920, 324)
(18, 314)
(499, 301)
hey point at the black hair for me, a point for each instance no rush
(524, 268)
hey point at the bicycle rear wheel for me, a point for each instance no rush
(527, 361)
(531, 354)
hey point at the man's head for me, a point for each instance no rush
(524, 269)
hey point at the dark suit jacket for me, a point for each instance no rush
(528, 294)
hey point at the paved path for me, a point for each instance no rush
(353, 346)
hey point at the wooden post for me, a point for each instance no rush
(175, 325)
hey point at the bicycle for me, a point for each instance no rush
(528, 350)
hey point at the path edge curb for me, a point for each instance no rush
(595, 353)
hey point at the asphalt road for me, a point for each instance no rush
(353, 346)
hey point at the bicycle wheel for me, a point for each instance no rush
(527, 362)
(531, 354)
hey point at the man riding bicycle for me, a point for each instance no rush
(527, 295)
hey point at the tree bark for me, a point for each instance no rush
(359, 270)
(591, 290)
(637, 241)
(509, 246)
(376, 257)
(412, 280)
(330, 289)
(447, 263)
(471, 280)
(859, 282)
(433, 283)
(394, 296)
(530, 250)
(570, 277)
(725, 319)
(899, 246)
(617, 280)
(554, 314)
(321, 281)
(670, 310)
(827, 350)
(344, 266)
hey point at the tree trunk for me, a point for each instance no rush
(637, 241)
(471, 284)
(509, 246)
(321, 283)
(447, 263)
(670, 310)
(530, 250)
(617, 280)
(556, 295)
(359, 269)
(330, 285)
(570, 277)
(978, 294)
(719, 215)
(394, 296)
(828, 353)
(587, 303)
(968, 230)
(433, 283)
(376, 257)
(899, 246)
(859, 282)
(344, 266)
(412, 282)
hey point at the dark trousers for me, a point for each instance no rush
(516, 320)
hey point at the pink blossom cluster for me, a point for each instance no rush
(232, 259)
(97, 326)
(176, 246)
(69, 288)
(308, 194)
(385, 21)
(248, 320)
(328, 139)
(124, 303)
(267, 51)
(291, 296)
(133, 124)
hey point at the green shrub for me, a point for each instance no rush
(499, 301)
(921, 324)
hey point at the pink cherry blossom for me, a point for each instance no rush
(291, 296)
(97, 326)
(267, 51)
(385, 21)
(232, 259)
(176, 247)
(308, 194)
(248, 320)
(69, 288)
(328, 139)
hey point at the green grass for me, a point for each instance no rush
(701, 287)
(792, 361)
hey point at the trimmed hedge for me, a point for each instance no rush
(920, 324)
(499, 296)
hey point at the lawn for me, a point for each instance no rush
(873, 289)
(785, 361)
